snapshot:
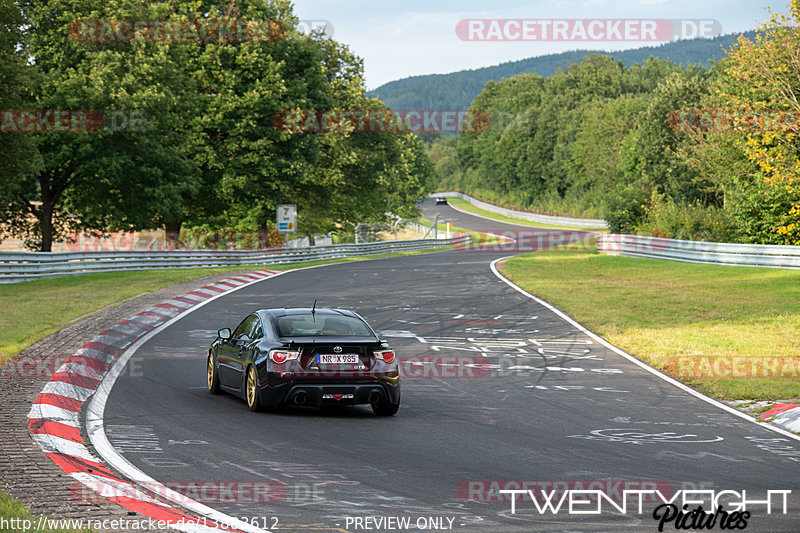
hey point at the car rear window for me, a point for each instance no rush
(321, 326)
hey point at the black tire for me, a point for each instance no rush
(252, 394)
(212, 377)
(385, 408)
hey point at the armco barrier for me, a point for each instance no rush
(24, 266)
(594, 223)
(753, 255)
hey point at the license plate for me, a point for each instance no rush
(337, 358)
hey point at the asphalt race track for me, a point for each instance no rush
(498, 388)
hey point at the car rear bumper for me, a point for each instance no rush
(319, 394)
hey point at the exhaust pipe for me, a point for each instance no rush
(374, 397)
(300, 398)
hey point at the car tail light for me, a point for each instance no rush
(281, 356)
(385, 355)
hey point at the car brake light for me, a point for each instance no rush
(386, 355)
(281, 356)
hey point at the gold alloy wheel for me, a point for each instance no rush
(251, 386)
(210, 372)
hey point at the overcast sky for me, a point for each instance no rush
(404, 38)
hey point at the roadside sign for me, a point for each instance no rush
(287, 218)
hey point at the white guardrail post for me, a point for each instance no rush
(723, 253)
(25, 266)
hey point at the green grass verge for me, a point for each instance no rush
(14, 513)
(32, 310)
(731, 332)
(466, 206)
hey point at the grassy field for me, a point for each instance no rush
(33, 310)
(466, 206)
(731, 332)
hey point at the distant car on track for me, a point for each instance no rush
(305, 356)
(441, 200)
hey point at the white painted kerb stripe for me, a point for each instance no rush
(53, 444)
(80, 370)
(789, 419)
(129, 329)
(92, 353)
(65, 389)
(54, 414)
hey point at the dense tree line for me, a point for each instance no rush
(196, 143)
(457, 90)
(677, 151)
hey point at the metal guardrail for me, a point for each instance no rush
(25, 266)
(594, 223)
(753, 255)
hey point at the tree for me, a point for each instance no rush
(549, 136)
(206, 152)
(101, 176)
(761, 85)
(653, 160)
(596, 164)
(18, 155)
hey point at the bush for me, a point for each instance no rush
(759, 209)
(694, 222)
(626, 209)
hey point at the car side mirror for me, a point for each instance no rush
(224, 333)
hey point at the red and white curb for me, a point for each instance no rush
(784, 415)
(54, 419)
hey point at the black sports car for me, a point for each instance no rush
(305, 356)
(441, 200)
